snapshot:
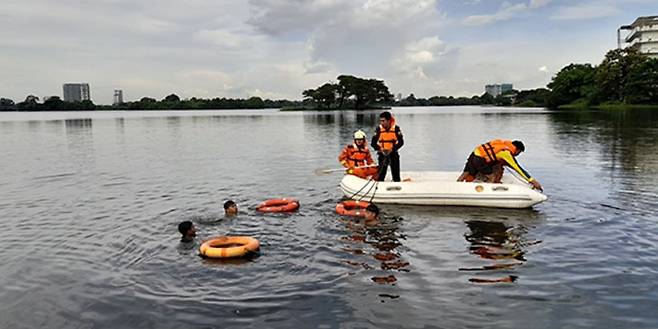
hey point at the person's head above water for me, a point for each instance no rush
(187, 230)
(371, 212)
(230, 208)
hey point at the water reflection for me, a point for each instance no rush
(380, 241)
(115, 222)
(627, 139)
(624, 148)
(502, 244)
(80, 139)
(368, 119)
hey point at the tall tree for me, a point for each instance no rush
(30, 103)
(6, 103)
(172, 98)
(53, 103)
(642, 83)
(573, 82)
(364, 91)
(254, 102)
(612, 74)
(346, 86)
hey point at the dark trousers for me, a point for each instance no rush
(393, 159)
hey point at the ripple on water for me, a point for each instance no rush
(91, 237)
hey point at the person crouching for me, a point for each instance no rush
(357, 159)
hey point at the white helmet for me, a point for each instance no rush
(359, 134)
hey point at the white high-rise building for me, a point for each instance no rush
(76, 92)
(497, 89)
(643, 34)
(118, 97)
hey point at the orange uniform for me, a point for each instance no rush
(352, 156)
(487, 155)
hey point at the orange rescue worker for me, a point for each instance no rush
(358, 155)
(487, 161)
(387, 141)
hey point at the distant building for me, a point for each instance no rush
(506, 87)
(118, 97)
(493, 90)
(398, 97)
(76, 92)
(497, 89)
(642, 34)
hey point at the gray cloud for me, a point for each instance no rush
(363, 37)
(271, 48)
(586, 11)
(506, 12)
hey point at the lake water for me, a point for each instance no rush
(90, 202)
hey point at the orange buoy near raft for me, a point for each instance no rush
(352, 208)
(278, 205)
(229, 246)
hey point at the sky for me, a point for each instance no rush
(278, 48)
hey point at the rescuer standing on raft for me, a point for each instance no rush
(387, 141)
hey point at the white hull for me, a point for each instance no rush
(441, 189)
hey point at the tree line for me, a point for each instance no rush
(358, 93)
(523, 98)
(349, 93)
(625, 76)
(170, 102)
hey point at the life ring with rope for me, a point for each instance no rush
(278, 205)
(352, 208)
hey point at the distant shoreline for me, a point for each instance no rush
(576, 107)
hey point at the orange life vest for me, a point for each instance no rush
(356, 156)
(387, 138)
(489, 150)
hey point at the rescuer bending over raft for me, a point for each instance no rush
(487, 160)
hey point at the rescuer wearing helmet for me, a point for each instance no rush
(356, 157)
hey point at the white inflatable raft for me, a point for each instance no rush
(441, 189)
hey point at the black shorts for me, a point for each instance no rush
(476, 164)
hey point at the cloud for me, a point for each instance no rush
(425, 58)
(539, 3)
(275, 17)
(227, 39)
(503, 14)
(318, 67)
(361, 37)
(586, 11)
(506, 12)
(277, 48)
(279, 18)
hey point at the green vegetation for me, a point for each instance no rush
(171, 102)
(624, 77)
(356, 93)
(349, 93)
(525, 98)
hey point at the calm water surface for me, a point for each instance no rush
(89, 204)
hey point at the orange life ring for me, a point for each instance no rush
(278, 205)
(229, 246)
(352, 208)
